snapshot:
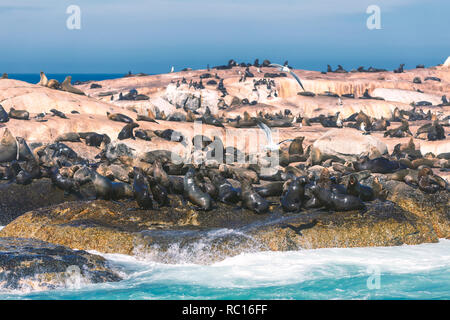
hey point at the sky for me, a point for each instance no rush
(150, 36)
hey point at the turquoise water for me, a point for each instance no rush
(405, 272)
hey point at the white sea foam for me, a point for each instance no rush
(284, 268)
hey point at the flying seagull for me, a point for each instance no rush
(286, 69)
(271, 145)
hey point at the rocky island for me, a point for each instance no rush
(215, 162)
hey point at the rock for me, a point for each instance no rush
(17, 199)
(210, 236)
(433, 208)
(406, 96)
(37, 99)
(29, 264)
(347, 143)
(191, 99)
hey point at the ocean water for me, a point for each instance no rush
(35, 77)
(404, 272)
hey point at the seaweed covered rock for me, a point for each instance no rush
(203, 237)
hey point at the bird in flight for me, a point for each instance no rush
(270, 144)
(287, 69)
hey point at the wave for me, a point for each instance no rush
(405, 272)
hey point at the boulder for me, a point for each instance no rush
(347, 144)
(17, 199)
(191, 99)
(406, 96)
(30, 264)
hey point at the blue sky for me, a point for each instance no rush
(152, 35)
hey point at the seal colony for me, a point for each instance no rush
(285, 177)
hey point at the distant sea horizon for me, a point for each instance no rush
(98, 76)
(35, 77)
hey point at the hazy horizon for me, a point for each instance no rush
(151, 36)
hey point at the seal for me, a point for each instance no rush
(119, 117)
(141, 117)
(431, 131)
(127, 131)
(106, 189)
(226, 192)
(296, 146)
(170, 135)
(399, 132)
(19, 114)
(379, 125)
(144, 134)
(63, 183)
(377, 165)
(43, 81)
(68, 136)
(272, 189)
(425, 181)
(66, 86)
(102, 185)
(292, 199)
(94, 139)
(356, 189)
(58, 113)
(8, 147)
(53, 84)
(160, 174)
(176, 184)
(82, 175)
(3, 115)
(160, 194)
(251, 199)
(141, 190)
(193, 192)
(336, 201)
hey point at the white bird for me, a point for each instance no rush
(340, 101)
(271, 145)
(363, 128)
(286, 69)
(172, 69)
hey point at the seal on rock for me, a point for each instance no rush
(19, 114)
(292, 199)
(127, 131)
(66, 86)
(356, 189)
(251, 199)
(141, 190)
(193, 192)
(119, 117)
